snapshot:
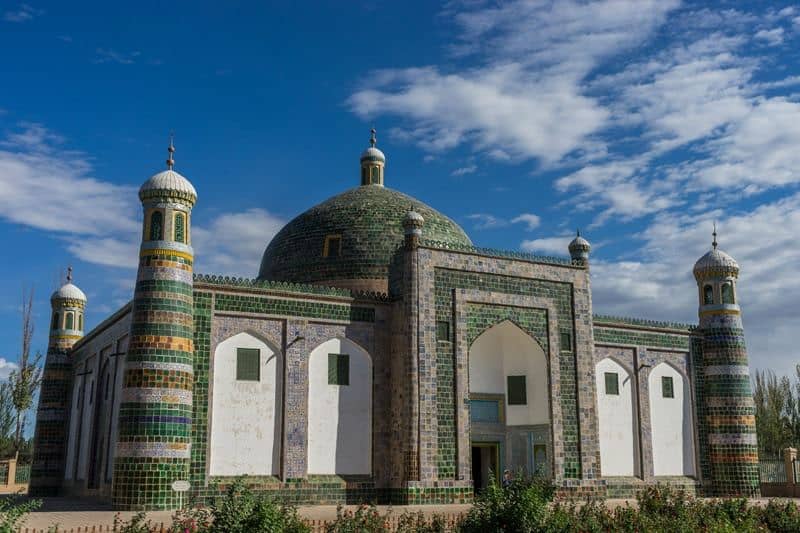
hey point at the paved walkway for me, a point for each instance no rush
(68, 513)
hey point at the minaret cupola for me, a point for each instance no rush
(579, 249)
(372, 163)
(716, 274)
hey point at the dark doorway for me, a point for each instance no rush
(485, 459)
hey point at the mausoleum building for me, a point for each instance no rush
(380, 356)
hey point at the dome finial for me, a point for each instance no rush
(578, 232)
(69, 274)
(171, 150)
(372, 138)
(714, 242)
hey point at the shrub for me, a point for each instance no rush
(519, 507)
(242, 511)
(418, 523)
(13, 511)
(365, 519)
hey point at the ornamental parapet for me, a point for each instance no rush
(503, 254)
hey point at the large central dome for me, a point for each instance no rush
(368, 222)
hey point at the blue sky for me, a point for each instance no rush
(640, 122)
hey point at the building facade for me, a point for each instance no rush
(380, 356)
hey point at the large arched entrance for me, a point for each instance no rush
(509, 404)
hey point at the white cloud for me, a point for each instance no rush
(100, 221)
(549, 245)
(772, 37)
(234, 242)
(530, 220)
(6, 367)
(487, 221)
(525, 100)
(464, 170)
(23, 13)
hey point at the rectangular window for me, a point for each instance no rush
(667, 387)
(566, 341)
(443, 330)
(612, 383)
(517, 393)
(180, 228)
(248, 364)
(487, 411)
(338, 369)
(333, 246)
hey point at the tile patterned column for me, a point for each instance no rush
(52, 415)
(155, 417)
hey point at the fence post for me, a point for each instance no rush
(789, 457)
(12, 472)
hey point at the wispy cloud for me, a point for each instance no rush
(530, 220)
(464, 170)
(109, 55)
(23, 13)
(487, 221)
(6, 367)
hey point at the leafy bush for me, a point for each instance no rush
(242, 511)
(519, 507)
(13, 511)
(419, 523)
(365, 519)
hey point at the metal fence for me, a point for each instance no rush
(4, 473)
(23, 474)
(772, 471)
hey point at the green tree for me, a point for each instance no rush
(25, 379)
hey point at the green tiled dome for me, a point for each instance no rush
(369, 220)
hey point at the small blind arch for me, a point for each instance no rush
(69, 321)
(708, 295)
(727, 293)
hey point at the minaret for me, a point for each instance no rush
(372, 163)
(52, 416)
(579, 250)
(154, 441)
(727, 411)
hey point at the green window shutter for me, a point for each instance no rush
(667, 387)
(727, 293)
(70, 321)
(338, 369)
(517, 392)
(566, 341)
(248, 364)
(443, 330)
(612, 383)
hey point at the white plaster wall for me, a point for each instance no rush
(505, 350)
(245, 415)
(339, 416)
(671, 421)
(616, 422)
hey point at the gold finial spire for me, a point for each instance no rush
(714, 242)
(372, 139)
(69, 274)
(171, 150)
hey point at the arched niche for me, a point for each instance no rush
(245, 408)
(502, 351)
(616, 419)
(339, 409)
(671, 422)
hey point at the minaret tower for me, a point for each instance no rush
(372, 163)
(154, 441)
(579, 250)
(727, 411)
(49, 442)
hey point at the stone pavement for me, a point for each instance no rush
(70, 514)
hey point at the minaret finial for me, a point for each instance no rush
(69, 274)
(171, 150)
(578, 232)
(372, 139)
(714, 242)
